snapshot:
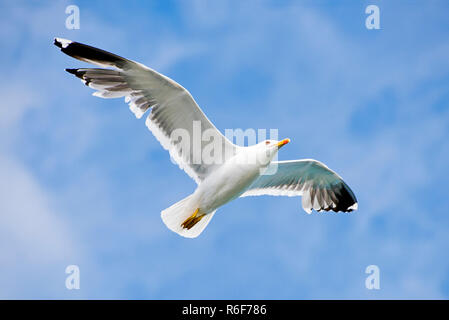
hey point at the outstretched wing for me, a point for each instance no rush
(175, 119)
(320, 187)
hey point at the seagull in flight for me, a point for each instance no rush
(235, 171)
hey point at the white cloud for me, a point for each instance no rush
(34, 238)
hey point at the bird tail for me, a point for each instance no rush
(175, 217)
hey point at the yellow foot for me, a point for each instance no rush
(192, 220)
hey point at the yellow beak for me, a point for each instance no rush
(283, 142)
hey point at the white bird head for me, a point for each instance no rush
(267, 149)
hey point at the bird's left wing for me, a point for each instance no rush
(320, 187)
(174, 115)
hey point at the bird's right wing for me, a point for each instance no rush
(175, 119)
(320, 187)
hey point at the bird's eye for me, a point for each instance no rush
(267, 142)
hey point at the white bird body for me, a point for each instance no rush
(228, 182)
(239, 171)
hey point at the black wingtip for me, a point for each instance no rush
(90, 54)
(72, 71)
(80, 74)
(57, 43)
(347, 202)
(62, 43)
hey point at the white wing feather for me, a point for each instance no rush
(171, 106)
(320, 187)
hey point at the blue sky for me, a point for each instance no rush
(83, 182)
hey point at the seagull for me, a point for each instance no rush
(236, 171)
